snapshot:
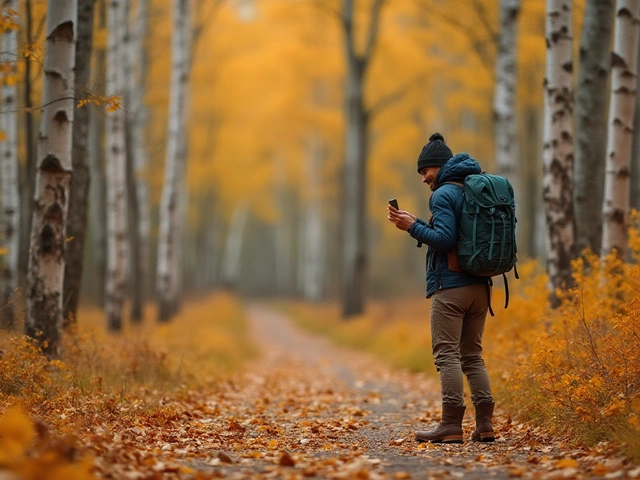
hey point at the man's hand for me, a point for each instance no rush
(401, 218)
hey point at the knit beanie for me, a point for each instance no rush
(435, 153)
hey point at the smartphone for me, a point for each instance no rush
(394, 203)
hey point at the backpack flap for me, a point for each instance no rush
(486, 233)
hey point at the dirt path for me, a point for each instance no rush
(311, 409)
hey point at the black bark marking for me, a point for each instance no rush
(51, 164)
(624, 12)
(63, 32)
(617, 60)
(617, 215)
(53, 214)
(61, 117)
(47, 240)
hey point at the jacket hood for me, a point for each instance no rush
(457, 168)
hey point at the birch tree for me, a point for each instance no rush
(504, 102)
(313, 244)
(635, 159)
(47, 244)
(136, 139)
(115, 155)
(558, 146)
(167, 286)
(29, 165)
(80, 182)
(9, 168)
(591, 122)
(615, 208)
(355, 261)
(233, 247)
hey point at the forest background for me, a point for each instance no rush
(254, 148)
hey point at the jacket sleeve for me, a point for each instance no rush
(442, 233)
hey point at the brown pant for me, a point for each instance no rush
(457, 324)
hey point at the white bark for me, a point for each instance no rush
(116, 171)
(233, 249)
(313, 245)
(504, 102)
(46, 254)
(139, 116)
(9, 168)
(167, 277)
(558, 145)
(615, 208)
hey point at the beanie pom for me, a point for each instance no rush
(436, 136)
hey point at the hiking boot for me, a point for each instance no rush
(449, 430)
(484, 431)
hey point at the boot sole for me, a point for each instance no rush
(485, 438)
(447, 439)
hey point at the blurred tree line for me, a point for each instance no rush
(191, 145)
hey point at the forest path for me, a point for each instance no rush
(308, 408)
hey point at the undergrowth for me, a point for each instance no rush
(101, 377)
(574, 370)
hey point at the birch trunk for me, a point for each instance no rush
(97, 165)
(81, 180)
(46, 253)
(355, 255)
(137, 161)
(233, 248)
(313, 246)
(116, 170)
(30, 147)
(558, 146)
(167, 283)
(635, 160)
(9, 178)
(591, 122)
(98, 202)
(615, 208)
(504, 102)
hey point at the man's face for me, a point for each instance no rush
(429, 176)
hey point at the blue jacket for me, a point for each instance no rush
(441, 233)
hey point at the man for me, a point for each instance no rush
(459, 301)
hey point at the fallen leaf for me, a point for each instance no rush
(286, 460)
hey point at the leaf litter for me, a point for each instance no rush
(308, 409)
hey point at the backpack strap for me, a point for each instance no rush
(506, 290)
(489, 285)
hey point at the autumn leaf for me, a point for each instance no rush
(16, 435)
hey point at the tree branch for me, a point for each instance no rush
(320, 5)
(372, 37)
(393, 97)
(477, 43)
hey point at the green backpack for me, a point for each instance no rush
(487, 229)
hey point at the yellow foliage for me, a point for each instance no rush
(16, 435)
(573, 369)
(101, 374)
(49, 459)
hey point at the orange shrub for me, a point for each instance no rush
(574, 369)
